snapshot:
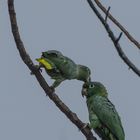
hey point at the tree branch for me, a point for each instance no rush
(106, 17)
(114, 39)
(129, 36)
(27, 60)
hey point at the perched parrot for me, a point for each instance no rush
(60, 67)
(103, 116)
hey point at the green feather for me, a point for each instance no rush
(60, 67)
(104, 118)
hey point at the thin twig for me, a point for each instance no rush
(107, 13)
(113, 38)
(129, 36)
(27, 60)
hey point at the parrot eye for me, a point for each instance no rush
(91, 86)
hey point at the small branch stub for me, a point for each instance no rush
(118, 39)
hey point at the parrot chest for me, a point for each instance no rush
(94, 103)
(68, 69)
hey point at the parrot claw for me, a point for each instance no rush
(38, 67)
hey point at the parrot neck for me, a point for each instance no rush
(83, 73)
(98, 92)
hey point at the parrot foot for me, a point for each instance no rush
(38, 68)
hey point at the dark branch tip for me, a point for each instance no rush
(119, 37)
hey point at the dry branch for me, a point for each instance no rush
(114, 39)
(129, 36)
(27, 60)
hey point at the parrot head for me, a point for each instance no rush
(50, 59)
(55, 57)
(93, 88)
(52, 55)
(84, 73)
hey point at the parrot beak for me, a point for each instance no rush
(42, 55)
(84, 92)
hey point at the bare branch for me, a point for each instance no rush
(113, 38)
(129, 36)
(27, 60)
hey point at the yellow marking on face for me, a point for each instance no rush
(45, 63)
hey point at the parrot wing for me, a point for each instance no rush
(108, 115)
(101, 130)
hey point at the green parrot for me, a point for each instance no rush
(60, 67)
(103, 116)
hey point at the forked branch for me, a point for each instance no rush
(113, 38)
(27, 60)
(129, 36)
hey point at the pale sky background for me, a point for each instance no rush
(71, 27)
